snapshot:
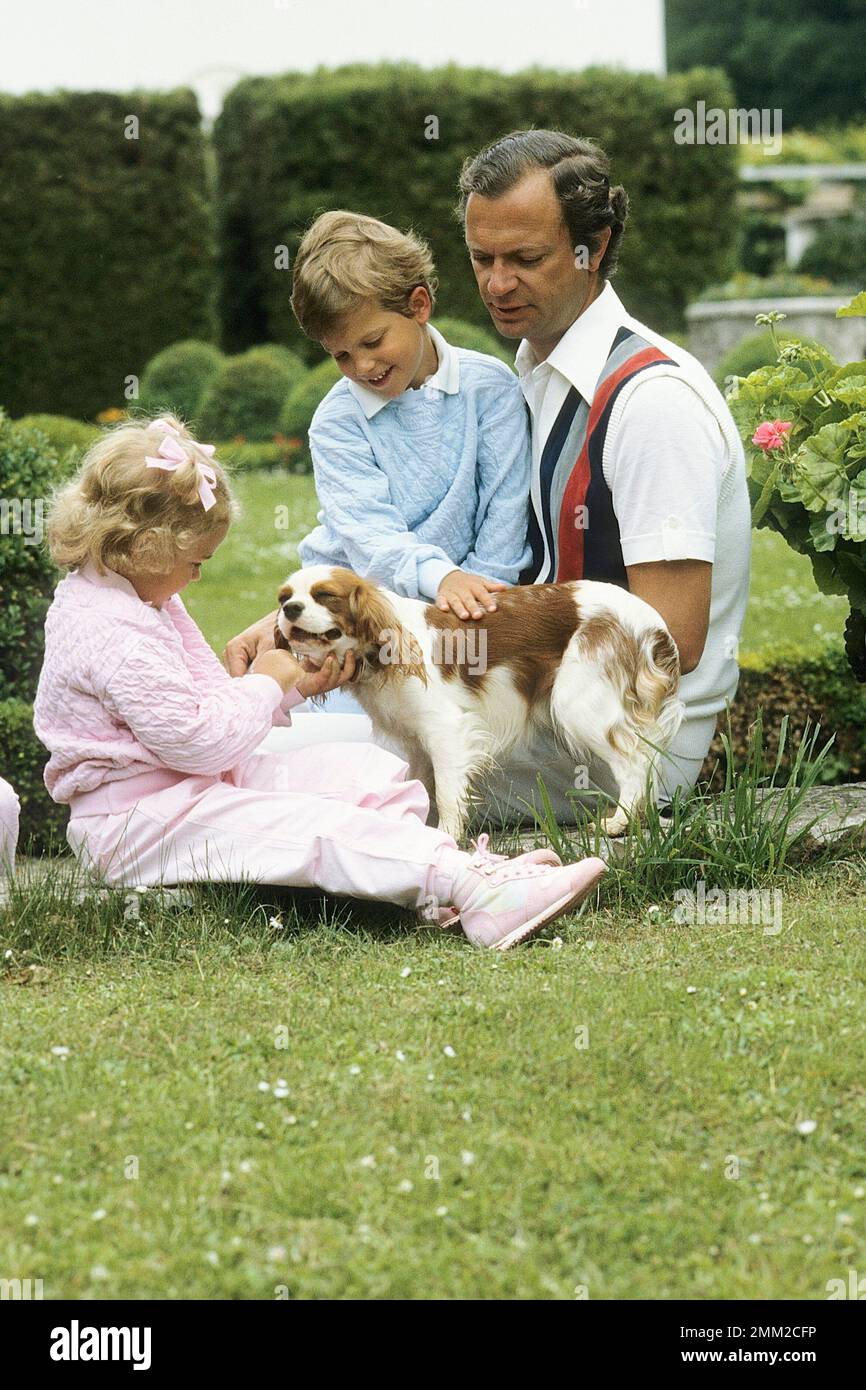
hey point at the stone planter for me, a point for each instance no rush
(716, 326)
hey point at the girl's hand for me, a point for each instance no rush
(319, 680)
(465, 593)
(285, 669)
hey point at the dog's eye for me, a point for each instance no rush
(324, 593)
(333, 633)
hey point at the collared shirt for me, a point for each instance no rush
(417, 485)
(675, 466)
(446, 377)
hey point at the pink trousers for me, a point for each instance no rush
(339, 817)
(9, 808)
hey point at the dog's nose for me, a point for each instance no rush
(292, 610)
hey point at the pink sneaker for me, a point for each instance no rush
(501, 905)
(446, 917)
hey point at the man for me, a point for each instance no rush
(638, 470)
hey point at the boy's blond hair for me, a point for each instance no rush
(119, 514)
(346, 258)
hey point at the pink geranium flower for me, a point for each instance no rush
(771, 435)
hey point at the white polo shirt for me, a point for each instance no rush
(675, 466)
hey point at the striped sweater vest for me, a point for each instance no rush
(577, 518)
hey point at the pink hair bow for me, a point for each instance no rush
(172, 454)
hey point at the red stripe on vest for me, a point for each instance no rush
(570, 534)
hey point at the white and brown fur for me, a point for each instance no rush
(589, 662)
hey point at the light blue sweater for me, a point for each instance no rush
(435, 479)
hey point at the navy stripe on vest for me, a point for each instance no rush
(546, 468)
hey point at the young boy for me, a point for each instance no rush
(422, 453)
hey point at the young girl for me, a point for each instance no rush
(153, 744)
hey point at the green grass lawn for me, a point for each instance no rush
(343, 1106)
(256, 1094)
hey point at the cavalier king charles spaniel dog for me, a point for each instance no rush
(590, 663)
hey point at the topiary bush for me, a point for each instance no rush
(247, 395)
(22, 760)
(301, 405)
(461, 334)
(62, 432)
(28, 469)
(177, 377)
(283, 355)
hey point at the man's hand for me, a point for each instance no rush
(241, 651)
(465, 593)
(679, 590)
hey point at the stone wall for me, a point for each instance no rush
(717, 326)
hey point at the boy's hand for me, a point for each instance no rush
(320, 679)
(465, 594)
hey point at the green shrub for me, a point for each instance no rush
(106, 243)
(293, 146)
(279, 353)
(247, 394)
(61, 432)
(290, 454)
(28, 468)
(176, 378)
(819, 688)
(461, 334)
(787, 285)
(22, 760)
(301, 405)
(839, 252)
(757, 350)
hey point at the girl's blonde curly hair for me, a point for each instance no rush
(119, 514)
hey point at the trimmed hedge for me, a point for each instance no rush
(22, 760)
(248, 393)
(28, 469)
(61, 432)
(819, 688)
(175, 379)
(106, 245)
(291, 147)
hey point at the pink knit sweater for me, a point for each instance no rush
(128, 688)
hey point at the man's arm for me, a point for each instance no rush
(679, 590)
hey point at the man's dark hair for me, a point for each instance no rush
(580, 170)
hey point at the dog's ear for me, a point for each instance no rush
(378, 628)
